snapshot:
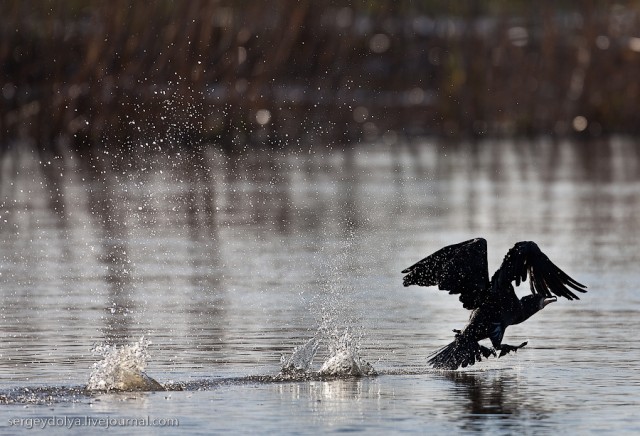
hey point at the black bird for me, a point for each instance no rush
(462, 269)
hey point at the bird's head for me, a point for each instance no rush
(535, 303)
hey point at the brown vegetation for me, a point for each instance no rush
(120, 73)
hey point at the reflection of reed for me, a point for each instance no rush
(180, 226)
(104, 206)
(206, 296)
(53, 168)
(129, 203)
(202, 190)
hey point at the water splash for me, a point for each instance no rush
(338, 311)
(301, 359)
(344, 357)
(122, 368)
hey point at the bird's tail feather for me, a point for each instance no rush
(462, 352)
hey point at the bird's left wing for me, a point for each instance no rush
(545, 278)
(459, 268)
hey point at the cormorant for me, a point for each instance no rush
(462, 269)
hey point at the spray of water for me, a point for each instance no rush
(122, 368)
(301, 359)
(337, 308)
(343, 354)
(344, 358)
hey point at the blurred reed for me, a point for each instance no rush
(120, 73)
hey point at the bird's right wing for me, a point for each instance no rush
(459, 268)
(546, 279)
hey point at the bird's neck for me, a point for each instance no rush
(526, 311)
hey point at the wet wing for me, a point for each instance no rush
(459, 268)
(545, 278)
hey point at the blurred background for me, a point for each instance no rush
(226, 176)
(231, 73)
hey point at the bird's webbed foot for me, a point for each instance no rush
(486, 352)
(506, 349)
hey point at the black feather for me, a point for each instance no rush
(545, 278)
(459, 268)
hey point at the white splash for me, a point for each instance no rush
(344, 358)
(122, 368)
(302, 357)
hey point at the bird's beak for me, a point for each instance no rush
(547, 301)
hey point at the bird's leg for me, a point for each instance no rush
(506, 348)
(486, 352)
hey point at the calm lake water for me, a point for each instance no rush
(226, 262)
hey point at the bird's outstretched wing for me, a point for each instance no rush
(459, 268)
(545, 278)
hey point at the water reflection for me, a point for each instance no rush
(226, 250)
(336, 402)
(496, 395)
(109, 218)
(226, 260)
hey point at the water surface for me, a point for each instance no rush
(225, 262)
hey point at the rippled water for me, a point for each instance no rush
(227, 262)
